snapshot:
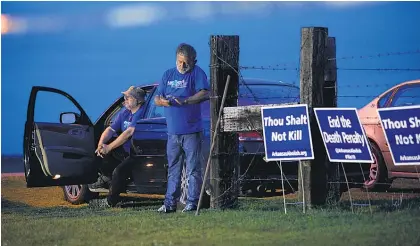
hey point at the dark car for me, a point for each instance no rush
(62, 153)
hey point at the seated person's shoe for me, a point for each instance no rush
(102, 183)
(189, 208)
(99, 203)
(103, 203)
(166, 210)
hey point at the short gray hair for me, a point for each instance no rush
(186, 50)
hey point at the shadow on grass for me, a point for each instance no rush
(359, 205)
(377, 205)
(138, 203)
(12, 207)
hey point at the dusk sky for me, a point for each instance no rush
(95, 50)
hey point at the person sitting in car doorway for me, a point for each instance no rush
(124, 126)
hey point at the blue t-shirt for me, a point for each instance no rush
(183, 119)
(124, 120)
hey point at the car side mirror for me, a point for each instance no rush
(68, 118)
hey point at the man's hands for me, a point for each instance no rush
(102, 150)
(179, 101)
(161, 101)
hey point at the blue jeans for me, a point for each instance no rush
(179, 148)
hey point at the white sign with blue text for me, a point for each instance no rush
(287, 133)
(343, 135)
(401, 126)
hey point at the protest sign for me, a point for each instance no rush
(343, 135)
(286, 133)
(401, 126)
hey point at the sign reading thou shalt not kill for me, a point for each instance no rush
(343, 135)
(401, 126)
(287, 133)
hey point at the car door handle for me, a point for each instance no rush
(76, 132)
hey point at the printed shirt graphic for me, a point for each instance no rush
(187, 118)
(124, 120)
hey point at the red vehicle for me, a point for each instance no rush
(383, 170)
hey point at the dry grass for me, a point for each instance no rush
(14, 190)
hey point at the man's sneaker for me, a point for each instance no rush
(189, 208)
(101, 185)
(166, 210)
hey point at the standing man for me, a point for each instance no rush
(181, 91)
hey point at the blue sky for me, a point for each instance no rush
(94, 50)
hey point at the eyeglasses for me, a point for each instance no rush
(126, 98)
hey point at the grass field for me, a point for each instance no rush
(41, 217)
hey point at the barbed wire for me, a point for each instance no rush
(375, 96)
(381, 69)
(363, 86)
(343, 69)
(289, 66)
(249, 96)
(378, 55)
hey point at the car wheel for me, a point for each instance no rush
(205, 203)
(78, 194)
(378, 172)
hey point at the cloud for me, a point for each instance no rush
(245, 7)
(145, 14)
(200, 10)
(345, 4)
(135, 15)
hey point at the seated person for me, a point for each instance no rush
(124, 126)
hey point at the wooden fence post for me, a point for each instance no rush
(312, 65)
(224, 164)
(330, 100)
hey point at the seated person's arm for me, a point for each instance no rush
(106, 135)
(127, 134)
(122, 138)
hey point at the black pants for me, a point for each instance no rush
(111, 161)
(119, 178)
(117, 166)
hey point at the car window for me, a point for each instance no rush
(384, 99)
(154, 111)
(114, 117)
(46, 111)
(407, 96)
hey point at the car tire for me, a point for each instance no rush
(378, 172)
(78, 194)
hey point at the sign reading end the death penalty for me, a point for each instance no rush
(343, 135)
(286, 132)
(401, 127)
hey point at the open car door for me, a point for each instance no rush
(61, 152)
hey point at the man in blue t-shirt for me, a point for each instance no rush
(181, 91)
(124, 126)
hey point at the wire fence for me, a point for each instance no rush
(361, 185)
